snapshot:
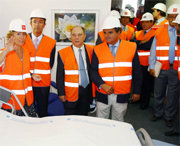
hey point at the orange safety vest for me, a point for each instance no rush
(162, 48)
(40, 59)
(71, 70)
(155, 27)
(122, 36)
(144, 55)
(116, 72)
(16, 77)
(129, 33)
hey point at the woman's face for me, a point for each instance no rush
(19, 38)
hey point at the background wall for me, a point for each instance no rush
(11, 9)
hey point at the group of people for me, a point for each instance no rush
(122, 63)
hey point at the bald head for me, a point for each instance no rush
(78, 36)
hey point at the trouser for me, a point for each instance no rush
(147, 86)
(81, 106)
(167, 79)
(41, 95)
(116, 110)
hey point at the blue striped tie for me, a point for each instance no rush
(172, 46)
(83, 75)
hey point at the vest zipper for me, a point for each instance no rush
(113, 71)
(34, 65)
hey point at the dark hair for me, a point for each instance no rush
(162, 13)
(38, 17)
(117, 29)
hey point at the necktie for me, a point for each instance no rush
(172, 47)
(83, 75)
(36, 43)
(145, 32)
(113, 50)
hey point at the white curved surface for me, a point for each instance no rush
(64, 131)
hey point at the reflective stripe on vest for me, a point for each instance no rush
(117, 78)
(115, 64)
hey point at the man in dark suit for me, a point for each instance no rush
(73, 81)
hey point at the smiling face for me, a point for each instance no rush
(19, 38)
(111, 36)
(147, 25)
(37, 25)
(78, 36)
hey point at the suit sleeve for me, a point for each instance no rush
(95, 77)
(60, 77)
(145, 46)
(53, 52)
(99, 41)
(136, 75)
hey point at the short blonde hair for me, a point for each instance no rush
(9, 34)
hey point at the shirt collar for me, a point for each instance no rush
(82, 47)
(148, 30)
(170, 28)
(39, 37)
(116, 44)
(160, 20)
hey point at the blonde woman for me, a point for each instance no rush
(15, 68)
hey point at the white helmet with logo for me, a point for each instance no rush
(160, 6)
(126, 13)
(111, 22)
(37, 13)
(177, 20)
(17, 25)
(147, 17)
(174, 9)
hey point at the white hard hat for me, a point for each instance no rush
(132, 9)
(147, 17)
(17, 25)
(160, 6)
(126, 13)
(174, 9)
(37, 13)
(177, 20)
(111, 22)
(115, 14)
(132, 15)
(128, 6)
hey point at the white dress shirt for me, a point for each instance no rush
(34, 37)
(76, 53)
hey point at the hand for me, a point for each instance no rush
(10, 44)
(107, 88)
(62, 98)
(152, 72)
(135, 97)
(36, 77)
